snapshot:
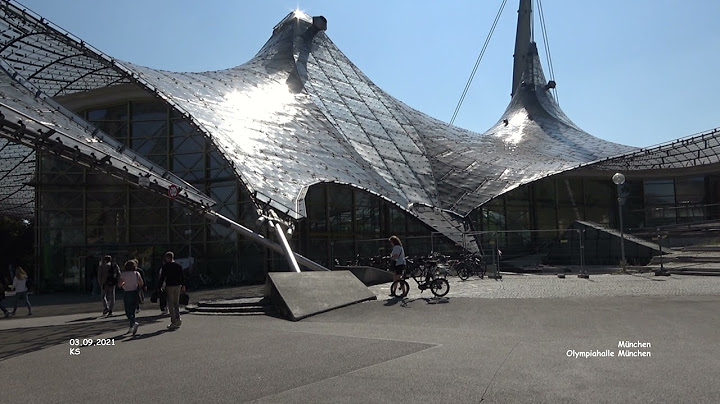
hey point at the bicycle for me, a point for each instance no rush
(437, 284)
(469, 265)
(234, 277)
(381, 262)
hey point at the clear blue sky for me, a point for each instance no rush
(637, 72)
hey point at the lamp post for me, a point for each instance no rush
(619, 179)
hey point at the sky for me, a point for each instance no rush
(638, 72)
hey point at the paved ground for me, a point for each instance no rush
(550, 286)
(518, 339)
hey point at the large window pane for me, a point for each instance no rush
(690, 190)
(316, 208)
(599, 192)
(569, 191)
(367, 214)
(106, 216)
(114, 113)
(659, 192)
(340, 208)
(544, 192)
(397, 221)
(149, 111)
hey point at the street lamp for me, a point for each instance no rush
(619, 179)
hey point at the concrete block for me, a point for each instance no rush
(299, 295)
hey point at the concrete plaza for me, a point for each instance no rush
(521, 339)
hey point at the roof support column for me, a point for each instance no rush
(523, 37)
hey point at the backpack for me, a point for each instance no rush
(112, 274)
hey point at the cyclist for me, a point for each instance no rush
(397, 256)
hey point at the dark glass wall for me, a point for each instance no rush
(345, 224)
(84, 214)
(556, 202)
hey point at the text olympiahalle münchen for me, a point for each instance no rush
(624, 352)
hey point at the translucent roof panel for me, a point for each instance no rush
(55, 62)
(694, 151)
(17, 168)
(30, 119)
(300, 112)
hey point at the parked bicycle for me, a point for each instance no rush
(469, 265)
(434, 262)
(425, 278)
(380, 262)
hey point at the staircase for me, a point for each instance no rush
(695, 260)
(246, 306)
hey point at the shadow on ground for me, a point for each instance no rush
(405, 302)
(20, 341)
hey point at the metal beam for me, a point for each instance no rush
(523, 37)
(20, 128)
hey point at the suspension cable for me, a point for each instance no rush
(546, 45)
(477, 63)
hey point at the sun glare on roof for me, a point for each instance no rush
(300, 15)
(271, 102)
(516, 125)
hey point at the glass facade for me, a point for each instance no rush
(84, 214)
(344, 223)
(555, 203)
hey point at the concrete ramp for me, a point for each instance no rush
(368, 275)
(299, 295)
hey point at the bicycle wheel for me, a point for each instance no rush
(463, 273)
(439, 287)
(399, 288)
(482, 270)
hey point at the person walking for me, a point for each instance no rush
(108, 274)
(130, 281)
(160, 293)
(141, 290)
(2, 297)
(21, 290)
(397, 256)
(174, 279)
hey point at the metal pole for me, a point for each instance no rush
(662, 268)
(496, 258)
(222, 220)
(583, 274)
(622, 234)
(286, 246)
(582, 249)
(189, 233)
(662, 271)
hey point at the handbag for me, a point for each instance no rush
(155, 296)
(184, 299)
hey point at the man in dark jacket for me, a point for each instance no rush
(108, 274)
(174, 279)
